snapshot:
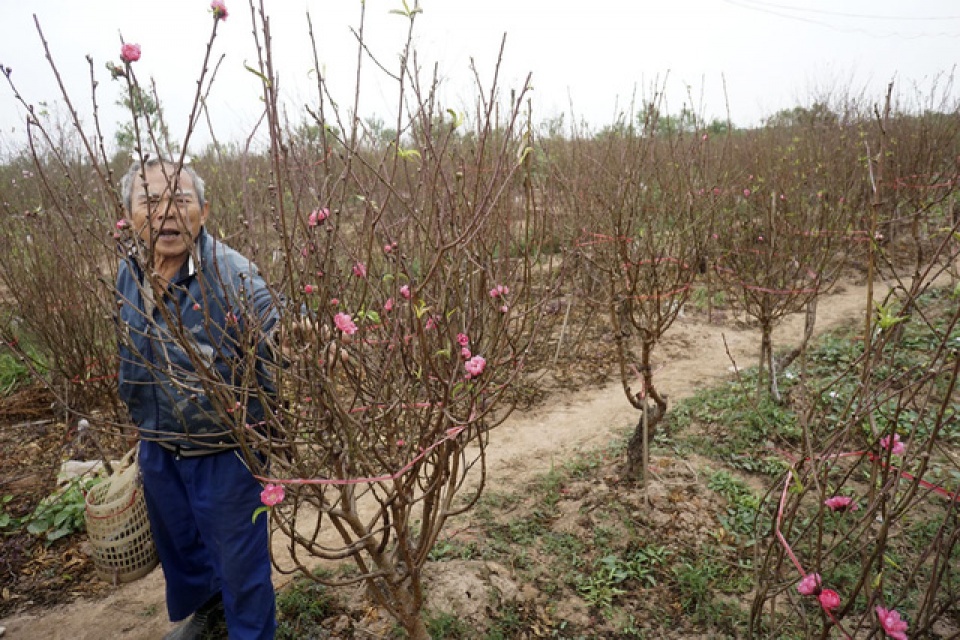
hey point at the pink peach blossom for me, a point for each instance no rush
(892, 624)
(360, 270)
(475, 366)
(465, 353)
(405, 291)
(463, 340)
(308, 289)
(898, 448)
(841, 503)
(388, 305)
(130, 52)
(345, 323)
(272, 494)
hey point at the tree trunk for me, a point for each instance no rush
(650, 417)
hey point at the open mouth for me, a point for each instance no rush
(168, 233)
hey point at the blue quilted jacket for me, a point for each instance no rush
(215, 318)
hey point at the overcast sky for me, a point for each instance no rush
(586, 57)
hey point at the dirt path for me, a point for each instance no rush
(527, 445)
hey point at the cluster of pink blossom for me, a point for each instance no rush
(464, 341)
(500, 291)
(893, 625)
(810, 586)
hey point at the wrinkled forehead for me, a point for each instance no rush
(160, 179)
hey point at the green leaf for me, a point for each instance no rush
(37, 527)
(524, 152)
(886, 317)
(56, 534)
(406, 154)
(457, 118)
(262, 77)
(256, 514)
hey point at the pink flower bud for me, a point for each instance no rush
(809, 585)
(830, 599)
(219, 9)
(317, 216)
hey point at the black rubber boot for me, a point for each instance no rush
(203, 623)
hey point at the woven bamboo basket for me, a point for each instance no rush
(117, 525)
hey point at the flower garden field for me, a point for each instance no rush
(663, 378)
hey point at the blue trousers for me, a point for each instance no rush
(200, 511)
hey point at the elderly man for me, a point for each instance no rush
(194, 316)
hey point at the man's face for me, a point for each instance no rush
(166, 220)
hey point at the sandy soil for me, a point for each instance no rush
(693, 355)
